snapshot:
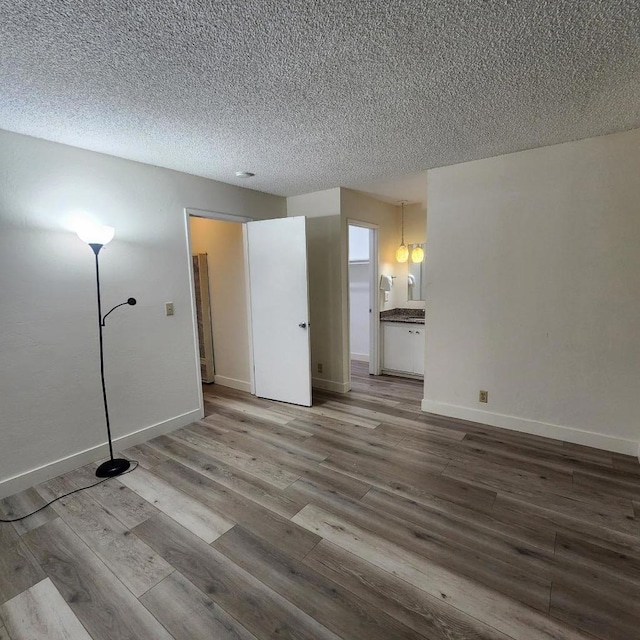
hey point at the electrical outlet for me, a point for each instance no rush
(319, 367)
(483, 396)
(168, 308)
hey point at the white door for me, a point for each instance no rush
(277, 253)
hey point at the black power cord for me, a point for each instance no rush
(95, 484)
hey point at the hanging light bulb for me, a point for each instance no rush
(402, 252)
(417, 255)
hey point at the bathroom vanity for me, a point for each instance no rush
(403, 342)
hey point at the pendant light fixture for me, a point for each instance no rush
(402, 252)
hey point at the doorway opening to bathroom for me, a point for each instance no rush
(364, 305)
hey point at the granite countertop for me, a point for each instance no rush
(415, 316)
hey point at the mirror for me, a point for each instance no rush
(417, 283)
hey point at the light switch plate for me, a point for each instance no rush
(168, 308)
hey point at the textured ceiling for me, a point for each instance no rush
(316, 94)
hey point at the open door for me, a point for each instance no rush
(277, 256)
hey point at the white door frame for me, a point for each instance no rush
(212, 215)
(374, 302)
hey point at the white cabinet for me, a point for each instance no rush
(397, 352)
(403, 347)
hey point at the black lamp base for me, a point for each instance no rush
(112, 468)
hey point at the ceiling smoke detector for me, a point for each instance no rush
(244, 174)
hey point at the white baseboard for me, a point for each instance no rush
(330, 385)
(402, 374)
(232, 383)
(360, 357)
(545, 429)
(23, 481)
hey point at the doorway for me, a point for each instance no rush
(220, 297)
(259, 303)
(364, 321)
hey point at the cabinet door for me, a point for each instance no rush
(398, 348)
(418, 352)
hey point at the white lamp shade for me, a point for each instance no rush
(402, 253)
(96, 234)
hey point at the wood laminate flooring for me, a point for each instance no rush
(360, 518)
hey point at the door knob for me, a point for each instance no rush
(303, 325)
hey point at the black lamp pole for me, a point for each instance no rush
(113, 466)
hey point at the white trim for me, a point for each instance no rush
(232, 383)
(194, 313)
(23, 481)
(374, 327)
(402, 374)
(545, 429)
(360, 357)
(247, 280)
(374, 303)
(216, 215)
(330, 385)
(306, 268)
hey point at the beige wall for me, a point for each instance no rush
(329, 213)
(316, 204)
(415, 232)
(356, 205)
(534, 264)
(52, 418)
(325, 302)
(223, 243)
(326, 255)
(415, 222)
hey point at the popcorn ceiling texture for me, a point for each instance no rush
(315, 94)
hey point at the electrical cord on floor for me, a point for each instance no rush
(95, 484)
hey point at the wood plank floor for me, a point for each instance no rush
(359, 518)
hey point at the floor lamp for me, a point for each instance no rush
(96, 237)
